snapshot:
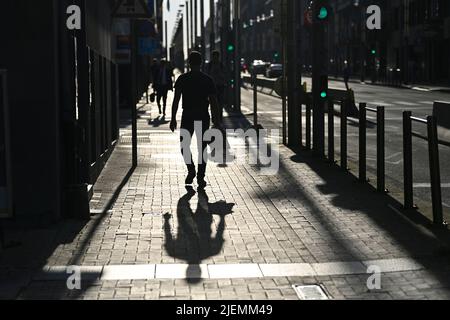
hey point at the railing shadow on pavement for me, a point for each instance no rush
(412, 233)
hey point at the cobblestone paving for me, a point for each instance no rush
(308, 213)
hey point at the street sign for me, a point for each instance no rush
(134, 9)
(148, 46)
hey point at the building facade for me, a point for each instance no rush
(411, 46)
(260, 41)
(63, 96)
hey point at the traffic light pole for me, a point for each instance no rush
(293, 83)
(237, 56)
(284, 60)
(212, 19)
(133, 93)
(320, 74)
(226, 54)
(202, 29)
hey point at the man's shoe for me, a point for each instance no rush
(190, 178)
(201, 183)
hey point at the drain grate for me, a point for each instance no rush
(141, 139)
(311, 292)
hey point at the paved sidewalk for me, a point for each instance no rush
(249, 236)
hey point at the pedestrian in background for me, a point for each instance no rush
(346, 76)
(163, 84)
(216, 71)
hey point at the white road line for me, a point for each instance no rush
(411, 104)
(427, 102)
(381, 103)
(227, 271)
(428, 185)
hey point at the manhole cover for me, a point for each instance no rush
(311, 292)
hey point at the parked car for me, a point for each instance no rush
(275, 70)
(259, 67)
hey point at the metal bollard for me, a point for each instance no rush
(344, 135)
(308, 125)
(255, 101)
(331, 157)
(407, 161)
(381, 152)
(435, 174)
(363, 142)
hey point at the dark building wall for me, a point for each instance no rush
(98, 26)
(48, 137)
(29, 53)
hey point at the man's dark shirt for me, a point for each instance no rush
(195, 87)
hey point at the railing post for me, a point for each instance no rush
(308, 125)
(331, 157)
(344, 135)
(435, 174)
(363, 142)
(381, 166)
(407, 161)
(255, 100)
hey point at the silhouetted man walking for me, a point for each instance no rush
(198, 91)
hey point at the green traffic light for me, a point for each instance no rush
(323, 94)
(374, 52)
(323, 14)
(230, 47)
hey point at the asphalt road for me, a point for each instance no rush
(396, 101)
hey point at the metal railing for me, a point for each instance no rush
(381, 147)
(408, 119)
(432, 138)
(344, 131)
(435, 174)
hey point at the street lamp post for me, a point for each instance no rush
(212, 19)
(202, 28)
(237, 57)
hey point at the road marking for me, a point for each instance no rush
(428, 185)
(381, 103)
(426, 102)
(411, 104)
(226, 271)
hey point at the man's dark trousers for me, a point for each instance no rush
(188, 124)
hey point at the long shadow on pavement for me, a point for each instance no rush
(412, 233)
(194, 241)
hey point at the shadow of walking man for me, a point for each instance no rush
(195, 241)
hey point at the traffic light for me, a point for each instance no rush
(323, 87)
(230, 47)
(322, 11)
(373, 52)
